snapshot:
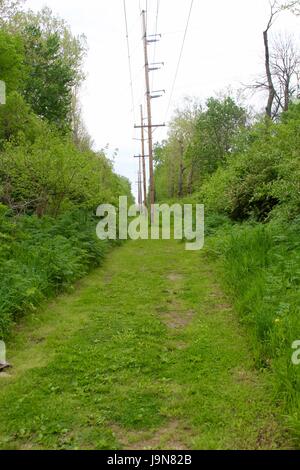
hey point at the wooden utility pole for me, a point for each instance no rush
(149, 112)
(140, 194)
(149, 126)
(143, 157)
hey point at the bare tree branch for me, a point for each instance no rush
(281, 64)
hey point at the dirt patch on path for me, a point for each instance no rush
(176, 316)
(178, 319)
(175, 277)
(166, 438)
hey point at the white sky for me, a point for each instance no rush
(223, 47)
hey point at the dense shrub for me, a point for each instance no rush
(50, 176)
(41, 257)
(262, 176)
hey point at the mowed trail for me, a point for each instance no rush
(146, 353)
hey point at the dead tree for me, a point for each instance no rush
(285, 63)
(275, 9)
(8, 8)
(275, 102)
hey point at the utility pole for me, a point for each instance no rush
(143, 157)
(149, 126)
(140, 184)
(149, 112)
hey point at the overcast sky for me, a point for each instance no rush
(223, 47)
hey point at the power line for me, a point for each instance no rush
(133, 27)
(180, 57)
(149, 124)
(129, 59)
(156, 26)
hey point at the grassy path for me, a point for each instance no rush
(146, 353)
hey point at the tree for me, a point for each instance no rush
(9, 8)
(48, 88)
(216, 130)
(198, 143)
(72, 48)
(53, 58)
(81, 137)
(182, 131)
(262, 177)
(12, 69)
(271, 89)
(285, 62)
(50, 175)
(17, 121)
(276, 7)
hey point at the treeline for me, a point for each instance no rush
(240, 167)
(51, 179)
(247, 173)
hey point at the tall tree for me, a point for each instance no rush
(81, 137)
(285, 61)
(12, 69)
(198, 143)
(48, 88)
(216, 131)
(9, 8)
(54, 63)
(271, 89)
(276, 7)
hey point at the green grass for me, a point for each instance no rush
(146, 353)
(260, 265)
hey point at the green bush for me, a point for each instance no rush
(41, 257)
(50, 176)
(262, 178)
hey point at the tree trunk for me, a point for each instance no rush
(181, 172)
(191, 180)
(180, 182)
(272, 92)
(286, 96)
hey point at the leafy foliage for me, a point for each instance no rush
(51, 174)
(199, 142)
(262, 178)
(12, 68)
(50, 79)
(17, 121)
(8, 9)
(41, 257)
(50, 184)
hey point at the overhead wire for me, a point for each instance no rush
(129, 59)
(180, 58)
(156, 27)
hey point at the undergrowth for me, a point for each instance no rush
(260, 266)
(41, 257)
